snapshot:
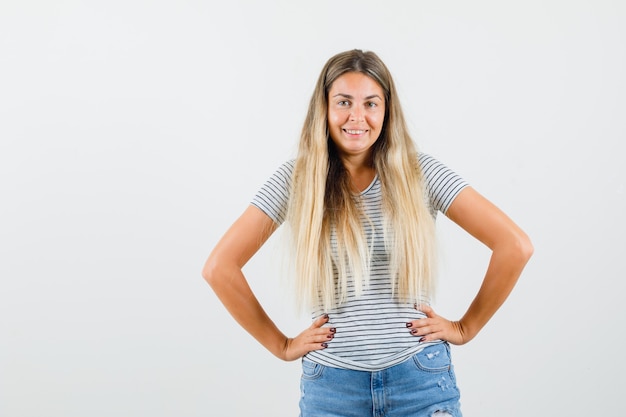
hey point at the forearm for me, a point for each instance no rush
(511, 249)
(505, 267)
(231, 287)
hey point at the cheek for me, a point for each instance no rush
(334, 118)
(376, 121)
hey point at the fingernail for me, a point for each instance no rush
(333, 330)
(409, 324)
(324, 345)
(330, 336)
(423, 339)
(326, 316)
(414, 331)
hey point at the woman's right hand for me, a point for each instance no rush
(223, 271)
(315, 337)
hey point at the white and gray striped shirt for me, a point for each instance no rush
(371, 328)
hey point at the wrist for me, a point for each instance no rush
(282, 348)
(466, 330)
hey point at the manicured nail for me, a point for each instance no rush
(409, 324)
(333, 330)
(326, 316)
(330, 336)
(414, 331)
(423, 339)
(324, 345)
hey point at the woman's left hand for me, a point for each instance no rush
(435, 327)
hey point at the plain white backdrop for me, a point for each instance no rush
(132, 133)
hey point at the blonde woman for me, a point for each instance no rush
(360, 203)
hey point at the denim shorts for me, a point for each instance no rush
(423, 386)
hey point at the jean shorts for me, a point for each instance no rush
(422, 386)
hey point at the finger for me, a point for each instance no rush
(436, 335)
(422, 331)
(419, 323)
(439, 331)
(424, 334)
(425, 327)
(318, 342)
(320, 321)
(426, 309)
(318, 346)
(320, 334)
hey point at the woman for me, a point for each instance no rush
(360, 203)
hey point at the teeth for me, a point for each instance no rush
(355, 132)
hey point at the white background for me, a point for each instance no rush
(132, 133)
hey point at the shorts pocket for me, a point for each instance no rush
(434, 359)
(311, 370)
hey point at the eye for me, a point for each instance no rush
(343, 103)
(372, 105)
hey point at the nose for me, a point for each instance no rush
(356, 114)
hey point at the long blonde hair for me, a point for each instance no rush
(322, 200)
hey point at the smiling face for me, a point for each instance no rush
(356, 112)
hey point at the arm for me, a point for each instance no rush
(223, 272)
(511, 250)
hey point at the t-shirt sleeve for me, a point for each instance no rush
(442, 184)
(273, 196)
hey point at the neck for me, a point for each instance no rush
(361, 175)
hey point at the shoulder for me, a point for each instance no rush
(286, 168)
(273, 196)
(442, 183)
(433, 169)
(428, 163)
(288, 165)
(281, 177)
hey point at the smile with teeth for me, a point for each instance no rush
(354, 132)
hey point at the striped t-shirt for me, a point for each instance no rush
(371, 328)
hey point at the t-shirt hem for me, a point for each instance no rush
(323, 358)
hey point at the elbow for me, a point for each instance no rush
(210, 272)
(517, 249)
(219, 272)
(525, 248)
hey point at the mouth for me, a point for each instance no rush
(354, 131)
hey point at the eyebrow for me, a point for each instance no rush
(350, 97)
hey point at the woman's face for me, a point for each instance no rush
(356, 112)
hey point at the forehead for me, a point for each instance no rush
(354, 83)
